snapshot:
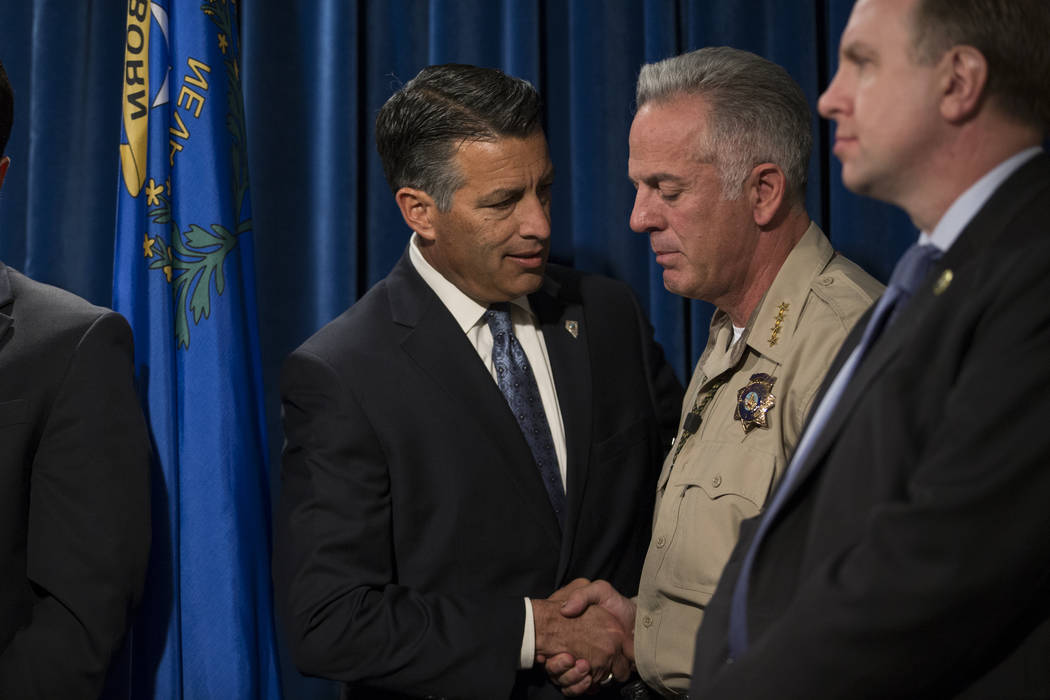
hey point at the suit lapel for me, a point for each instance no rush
(987, 224)
(565, 335)
(6, 302)
(884, 349)
(435, 342)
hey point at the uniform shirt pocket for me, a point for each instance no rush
(717, 488)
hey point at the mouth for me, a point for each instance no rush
(842, 142)
(664, 257)
(529, 259)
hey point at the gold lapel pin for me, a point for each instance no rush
(573, 327)
(942, 282)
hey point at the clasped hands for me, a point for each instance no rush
(584, 632)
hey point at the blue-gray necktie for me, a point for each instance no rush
(518, 384)
(908, 274)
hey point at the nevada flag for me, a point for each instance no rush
(184, 278)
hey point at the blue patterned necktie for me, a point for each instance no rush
(518, 384)
(908, 274)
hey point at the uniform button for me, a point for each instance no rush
(647, 621)
(660, 541)
(717, 481)
(827, 280)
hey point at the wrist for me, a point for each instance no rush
(545, 617)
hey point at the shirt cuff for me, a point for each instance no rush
(528, 639)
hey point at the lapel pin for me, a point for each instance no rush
(942, 282)
(573, 327)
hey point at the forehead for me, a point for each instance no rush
(878, 22)
(668, 132)
(503, 162)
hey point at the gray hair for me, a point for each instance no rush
(756, 112)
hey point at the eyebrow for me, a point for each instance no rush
(656, 178)
(856, 50)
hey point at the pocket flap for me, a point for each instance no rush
(722, 469)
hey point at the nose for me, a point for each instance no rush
(535, 218)
(643, 216)
(832, 102)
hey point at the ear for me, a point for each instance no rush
(767, 188)
(964, 80)
(418, 210)
(4, 162)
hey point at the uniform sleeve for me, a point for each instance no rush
(348, 618)
(88, 531)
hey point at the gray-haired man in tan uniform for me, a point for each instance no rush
(719, 152)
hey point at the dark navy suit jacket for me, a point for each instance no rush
(413, 516)
(912, 559)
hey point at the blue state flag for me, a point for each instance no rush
(184, 278)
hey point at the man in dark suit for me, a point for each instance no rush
(74, 497)
(423, 522)
(907, 552)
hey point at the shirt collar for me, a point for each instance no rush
(465, 310)
(966, 206)
(771, 328)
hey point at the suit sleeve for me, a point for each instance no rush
(88, 531)
(347, 615)
(952, 575)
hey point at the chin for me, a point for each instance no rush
(529, 283)
(854, 183)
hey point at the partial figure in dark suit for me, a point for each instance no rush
(423, 523)
(74, 492)
(907, 551)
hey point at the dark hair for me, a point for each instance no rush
(420, 127)
(756, 112)
(1012, 35)
(7, 108)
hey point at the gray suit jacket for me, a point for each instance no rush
(74, 493)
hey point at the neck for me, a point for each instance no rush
(775, 244)
(978, 147)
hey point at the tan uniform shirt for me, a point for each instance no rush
(750, 400)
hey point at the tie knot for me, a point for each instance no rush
(498, 318)
(913, 266)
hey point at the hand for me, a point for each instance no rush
(574, 675)
(582, 596)
(594, 636)
(561, 595)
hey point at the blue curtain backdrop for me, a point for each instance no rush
(315, 72)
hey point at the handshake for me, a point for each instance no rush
(585, 636)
